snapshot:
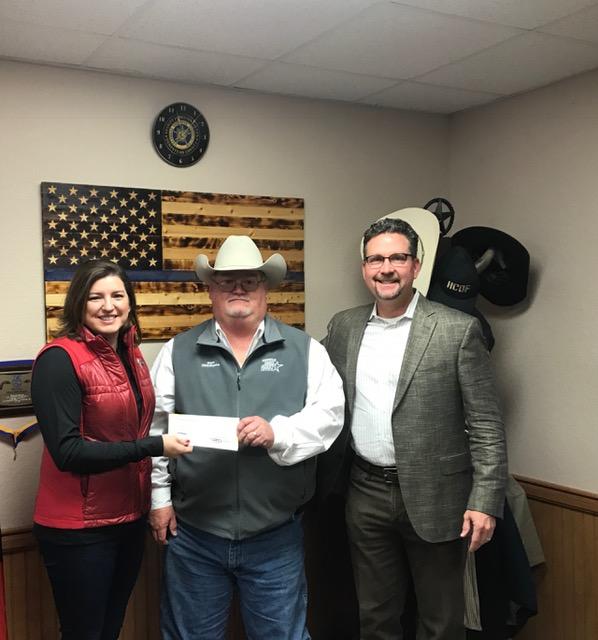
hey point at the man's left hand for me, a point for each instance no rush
(255, 432)
(479, 526)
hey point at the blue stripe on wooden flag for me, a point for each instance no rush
(64, 275)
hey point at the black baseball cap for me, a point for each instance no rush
(455, 281)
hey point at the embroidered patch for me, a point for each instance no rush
(271, 364)
(210, 364)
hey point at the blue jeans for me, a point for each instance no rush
(202, 570)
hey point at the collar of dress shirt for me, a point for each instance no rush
(375, 318)
(257, 336)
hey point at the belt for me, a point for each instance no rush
(388, 474)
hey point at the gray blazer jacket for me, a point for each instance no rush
(447, 426)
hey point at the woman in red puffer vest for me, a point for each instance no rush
(94, 402)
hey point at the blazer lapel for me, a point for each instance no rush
(354, 339)
(422, 328)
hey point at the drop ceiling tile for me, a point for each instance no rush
(415, 96)
(257, 28)
(388, 40)
(527, 14)
(45, 44)
(311, 82)
(158, 61)
(582, 25)
(520, 64)
(95, 16)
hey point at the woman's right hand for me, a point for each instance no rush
(175, 445)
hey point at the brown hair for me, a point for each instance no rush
(75, 303)
(391, 225)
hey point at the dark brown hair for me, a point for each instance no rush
(75, 303)
(391, 225)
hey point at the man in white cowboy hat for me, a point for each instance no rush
(232, 518)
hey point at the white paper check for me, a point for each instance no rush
(214, 432)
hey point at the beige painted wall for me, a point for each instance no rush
(351, 164)
(529, 166)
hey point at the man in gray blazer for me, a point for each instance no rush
(425, 438)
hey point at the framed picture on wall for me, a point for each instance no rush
(15, 388)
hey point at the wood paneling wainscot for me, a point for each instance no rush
(567, 523)
(30, 606)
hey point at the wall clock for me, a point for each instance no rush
(180, 134)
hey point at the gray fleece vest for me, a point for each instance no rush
(239, 494)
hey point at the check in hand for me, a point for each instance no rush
(213, 432)
(479, 527)
(254, 431)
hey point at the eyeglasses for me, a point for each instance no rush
(248, 284)
(396, 260)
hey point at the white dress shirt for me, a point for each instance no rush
(296, 438)
(378, 368)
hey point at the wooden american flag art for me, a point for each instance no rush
(156, 235)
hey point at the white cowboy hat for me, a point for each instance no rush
(240, 253)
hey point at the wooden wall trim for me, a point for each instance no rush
(567, 584)
(567, 497)
(30, 609)
(17, 540)
(566, 520)
(31, 614)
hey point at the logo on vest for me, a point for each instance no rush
(210, 363)
(271, 364)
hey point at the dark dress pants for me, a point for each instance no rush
(387, 554)
(92, 582)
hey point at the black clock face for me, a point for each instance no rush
(180, 134)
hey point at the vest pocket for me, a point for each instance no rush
(84, 482)
(111, 494)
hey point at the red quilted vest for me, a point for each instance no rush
(109, 413)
